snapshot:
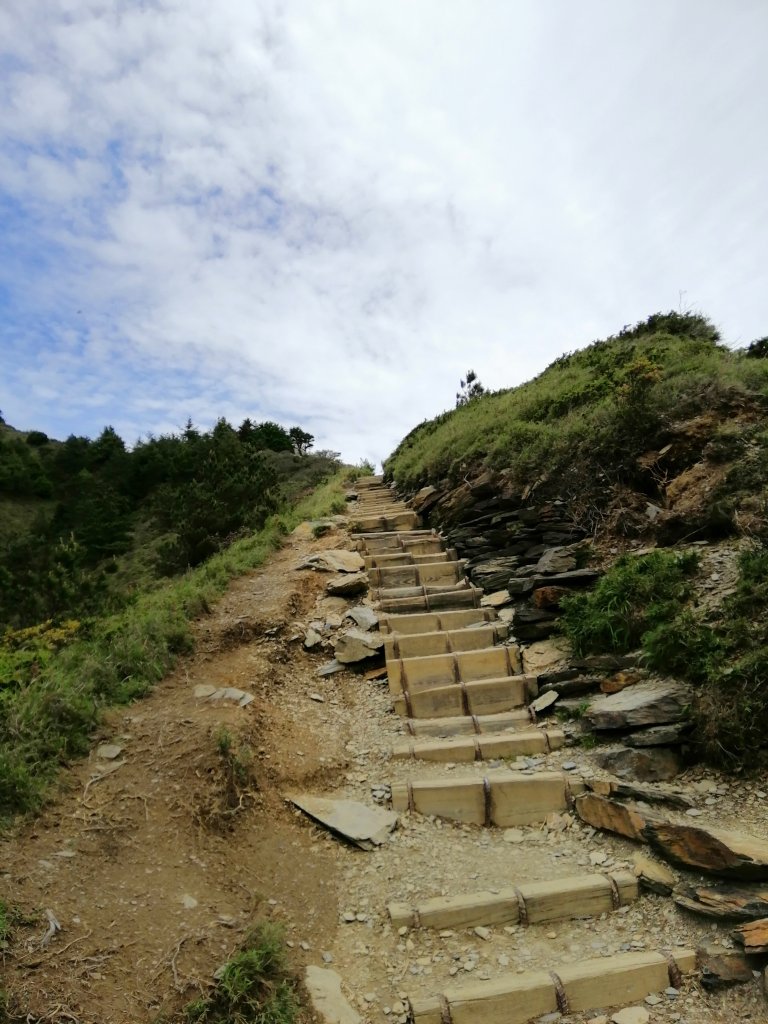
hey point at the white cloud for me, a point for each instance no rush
(325, 213)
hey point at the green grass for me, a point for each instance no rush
(50, 705)
(636, 596)
(254, 986)
(645, 601)
(582, 423)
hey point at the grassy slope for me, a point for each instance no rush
(599, 407)
(52, 698)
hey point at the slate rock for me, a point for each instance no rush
(347, 585)
(323, 986)
(653, 765)
(335, 560)
(556, 560)
(363, 616)
(356, 645)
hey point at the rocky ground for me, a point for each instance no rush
(154, 859)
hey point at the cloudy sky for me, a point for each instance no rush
(324, 211)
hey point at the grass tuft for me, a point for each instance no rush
(254, 986)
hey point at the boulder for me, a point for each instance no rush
(363, 616)
(325, 996)
(345, 586)
(556, 560)
(658, 764)
(652, 703)
(533, 623)
(356, 645)
(336, 560)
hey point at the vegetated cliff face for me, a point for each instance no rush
(659, 431)
(655, 437)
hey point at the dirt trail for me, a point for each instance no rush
(157, 861)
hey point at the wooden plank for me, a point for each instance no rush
(430, 622)
(463, 598)
(578, 896)
(417, 645)
(510, 999)
(467, 725)
(623, 978)
(418, 574)
(433, 670)
(481, 747)
(715, 851)
(611, 816)
(586, 985)
(502, 799)
(484, 697)
(551, 900)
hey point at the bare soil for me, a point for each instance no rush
(156, 862)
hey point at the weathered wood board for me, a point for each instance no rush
(528, 903)
(484, 697)
(503, 798)
(585, 985)
(418, 645)
(467, 725)
(482, 747)
(431, 622)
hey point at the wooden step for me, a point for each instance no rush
(384, 524)
(481, 748)
(415, 645)
(431, 622)
(556, 899)
(417, 674)
(599, 983)
(380, 543)
(499, 798)
(407, 557)
(483, 697)
(468, 725)
(419, 574)
(430, 600)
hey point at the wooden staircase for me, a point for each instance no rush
(457, 680)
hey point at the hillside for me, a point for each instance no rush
(661, 414)
(647, 455)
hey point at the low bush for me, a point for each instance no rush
(635, 597)
(254, 986)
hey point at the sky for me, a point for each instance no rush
(323, 212)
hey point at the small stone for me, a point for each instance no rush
(631, 1015)
(348, 916)
(482, 933)
(694, 812)
(598, 857)
(653, 1000)
(569, 766)
(513, 835)
(188, 902)
(327, 958)
(671, 993)
(108, 751)
(317, 697)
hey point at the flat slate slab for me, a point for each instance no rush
(326, 997)
(653, 703)
(366, 827)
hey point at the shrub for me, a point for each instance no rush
(635, 596)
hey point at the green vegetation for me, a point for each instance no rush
(57, 677)
(254, 987)
(581, 426)
(636, 597)
(645, 602)
(85, 524)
